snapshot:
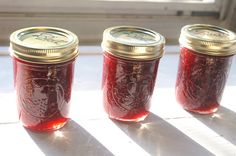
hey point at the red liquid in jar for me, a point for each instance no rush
(128, 87)
(201, 80)
(43, 94)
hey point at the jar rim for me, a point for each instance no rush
(132, 42)
(44, 45)
(208, 39)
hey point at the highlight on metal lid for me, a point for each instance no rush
(208, 39)
(134, 43)
(44, 45)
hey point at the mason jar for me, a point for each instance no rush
(43, 61)
(131, 56)
(206, 54)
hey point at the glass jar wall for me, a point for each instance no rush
(43, 59)
(131, 57)
(205, 58)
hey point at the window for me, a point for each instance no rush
(89, 18)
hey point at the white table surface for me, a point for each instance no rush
(167, 131)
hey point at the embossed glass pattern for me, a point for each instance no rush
(131, 57)
(128, 87)
(43, 94)
(205, 58)
(201, 80)
(43, 60)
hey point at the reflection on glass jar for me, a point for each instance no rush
(131, 57)
(205, 58)
(43, 75)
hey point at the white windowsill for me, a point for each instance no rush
(169, 130)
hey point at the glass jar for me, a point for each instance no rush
(205, 58)
(43, 61)
(131, 57)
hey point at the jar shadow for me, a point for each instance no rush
(71, 140)
(158, 137)
(222, 122)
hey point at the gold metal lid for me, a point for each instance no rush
(134, 43)
(44, 45)
(208, 39)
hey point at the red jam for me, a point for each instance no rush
(201, 80)
(43, 61)
(43, 93)
(128, 87)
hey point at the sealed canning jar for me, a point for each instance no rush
(205, 59)
(131, 58)
(43, 60)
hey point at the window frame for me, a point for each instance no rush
(89, 18)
